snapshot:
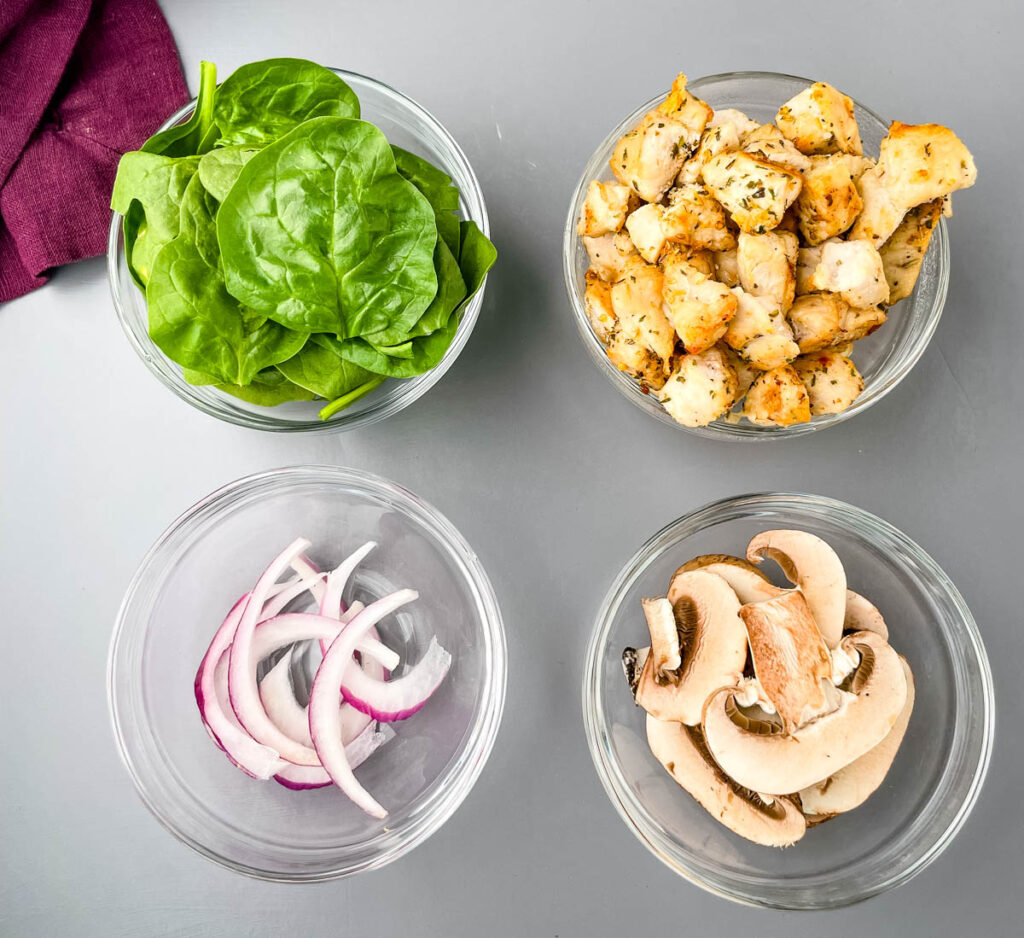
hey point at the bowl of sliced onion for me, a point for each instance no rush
(307, 674)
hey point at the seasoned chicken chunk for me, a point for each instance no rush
(829, 201)
(815, 319)
(777, 398)
(695, 218)
(698, 307)
(647, 158)
(597, 300)
(858, 322)
(643, 340)
(916, 164)
(746, 373)
(807, 260)
(704, 261)
(688, 109)
(647, 231)
(832, 381)
(854, 270)
(727, 267)
(715, 140)
(604, 210)
(767, 265)
(759, 332)
(731, 117)
(820, 120)
(767, 142)
(756, 192)
(903, 254)
(610, 254)
(701, 389)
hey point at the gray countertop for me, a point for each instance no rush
(552, 476)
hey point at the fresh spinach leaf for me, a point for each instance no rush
(267, 389)
(476, 257)
(318, 367)
(219, 168)
(321, 234)
(424, 352)
(191, 137)
(440, 191)
(262, 101)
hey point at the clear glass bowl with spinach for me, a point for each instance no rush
(300, 248)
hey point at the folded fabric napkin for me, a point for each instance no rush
(81, 82)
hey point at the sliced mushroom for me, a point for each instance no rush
(813, 566)
(791, 660)
(633, 661)
(863, 616)
(758, 756)
(661, 623)
(748, 583)
(852, 785)
(714, 649)
(775, 822)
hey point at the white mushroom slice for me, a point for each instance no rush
(759, 331)
(699, 308)
(851, 786)
(597, 301)
(604, 209)
(903, 254)
(633, 661)
(815, 319)
(701, 389)
(863, 616)
(756, 192)
(727, 267)
(820, 119)
(777, 398)
(791, 660)
(609, 255)
(774, 822)
(810, 563)
(854, 270)
(767, 142)
(829, 201)
(767, 266)
(661, 623)
(747, 581)
(760, 757)
(714, 648)
(695, 218)
(833, 382)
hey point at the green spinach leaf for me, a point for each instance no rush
(219, 169)
(191, 137)
(477, 255)
(267, 389)
(439, 190)
(318, 367)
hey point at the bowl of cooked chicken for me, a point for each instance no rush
(757, 256)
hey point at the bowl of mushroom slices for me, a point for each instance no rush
(758, 256)
(788, 701)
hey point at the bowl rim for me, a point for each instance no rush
(731, 508)
(470, 760)
(412, 388)
(719, 429)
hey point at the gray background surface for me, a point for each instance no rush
(551, 475)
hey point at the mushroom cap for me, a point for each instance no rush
(748, 583)
(853, 784)
(684, 755)
(815, 567)
(779, 763)
(714, 648)
(661, 623)
(863, 616)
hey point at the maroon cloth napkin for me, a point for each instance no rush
(81, 82)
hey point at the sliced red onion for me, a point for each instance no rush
(305, 568)
(398, 698)
(304, 777)
(324, 713)
(279, 701)
(292, 589)
(337, 580)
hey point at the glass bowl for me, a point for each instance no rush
(182, 590)
(883, 358)
(939, 769)
(406, 124)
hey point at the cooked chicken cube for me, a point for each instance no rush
(647, 231)
(832, 381)
(695, 218)
(727, 267)
(856, 163)
(768, 142)
(917, 163)
(648, 158)
(777, 398)
(854, 270)
(746, 373)
(767, 265)
(807, 260)
(759, 332)
(701, 389)
(604, 210)
(815, 319)
(829, 201)
(820, 120)
(597, 300)
(858, 322)
(637, 306)
(704, 261)
(731, 117)
(698, 307)
(610, 254)
(715, 140)
(756, 192)
(687, 108)
(903, 254)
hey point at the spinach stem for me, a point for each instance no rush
(340, 403)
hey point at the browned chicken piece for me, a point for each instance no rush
(833, 382)
(727, 267)
(604, 210)
(647, 231)
(903, 254)
(704, 261)
(597, 300)
(610, 254)
(767, 142)
(698, 307)
(756, 192)
(641, 327)
(695, 218)
(829, 201)
(858, 322)
(807, 260)
(688, 108)
(856, 163)
(854, 270)
(759, 332)
(701, 389)
(767, 265)
(815, 319)
(746, 373)
(729, 116)
(845, 349)
(917, 163)
(820, 120)
(777, 398)
(715, 140)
